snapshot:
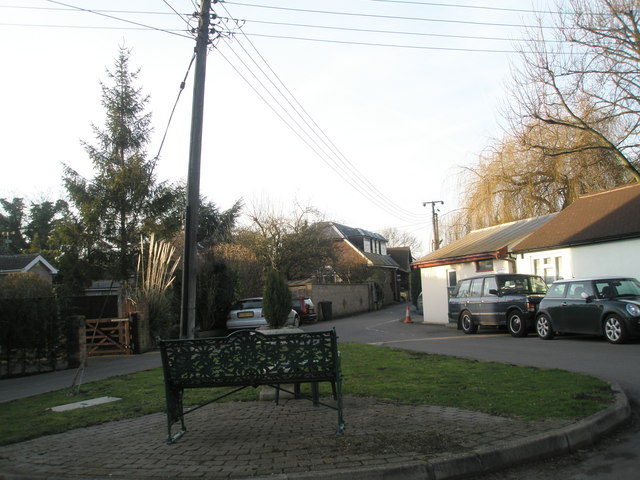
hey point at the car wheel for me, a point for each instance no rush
(466, 322)
(543, 327)
(614, 329)
(516, 324)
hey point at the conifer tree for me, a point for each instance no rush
(276, 302)
(112, 204)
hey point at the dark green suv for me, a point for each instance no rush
(503, 299)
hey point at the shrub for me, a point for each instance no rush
(276, 303)
(215, 291)
(31, 326)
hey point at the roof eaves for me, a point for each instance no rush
(579, 243)
(472, 257)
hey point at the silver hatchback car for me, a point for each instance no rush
(247, 313)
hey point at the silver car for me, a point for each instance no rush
(247, 313)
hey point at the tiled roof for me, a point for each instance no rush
(350, 232)
(15, 263)
(22, 263)
(599, 217)
(381, 260)
(485, 242)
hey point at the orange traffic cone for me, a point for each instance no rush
(407, 317)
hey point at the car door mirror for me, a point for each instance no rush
(493, 291)
(586, 296)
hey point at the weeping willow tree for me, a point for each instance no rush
(579, 72)
(155, 273)
(572, 116)
(515, 179)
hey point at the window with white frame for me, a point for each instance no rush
(548, 268)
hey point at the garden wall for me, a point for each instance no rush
(346, 299)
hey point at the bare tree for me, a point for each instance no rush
(574, 119)
(398, 238)
(584, 77)
(293, 243)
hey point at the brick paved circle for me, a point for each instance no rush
(247, 439)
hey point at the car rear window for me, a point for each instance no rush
(513, 285)
(247, 304)
(557, 290)
(463, 289)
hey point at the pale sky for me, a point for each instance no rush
(401, 121)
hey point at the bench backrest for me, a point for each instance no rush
(250, 357)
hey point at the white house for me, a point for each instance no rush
(598, 234)
(485, 250)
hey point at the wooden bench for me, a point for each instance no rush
(249, 358)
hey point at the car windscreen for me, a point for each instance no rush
(512, 285)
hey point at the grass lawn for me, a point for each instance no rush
(389, 374)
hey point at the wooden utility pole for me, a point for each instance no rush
(188, 301)
(434, 220)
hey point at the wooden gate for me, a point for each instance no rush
(108, 336)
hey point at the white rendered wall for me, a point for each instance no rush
(621, 257)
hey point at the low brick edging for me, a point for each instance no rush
(559, 441)
(556, 442)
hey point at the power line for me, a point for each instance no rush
(312, 135)
(386, 17)
(176, 12)
(314, 127)
(96, 27)
(105, 13)
(476, 7)
(182, 85)
(391, 45)
(304, 136)
(74, 7)
(371, 30)
(322, 146)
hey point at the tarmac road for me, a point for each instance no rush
(617, 457)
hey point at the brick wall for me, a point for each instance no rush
(346, 299)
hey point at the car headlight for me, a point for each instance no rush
(633, 309)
